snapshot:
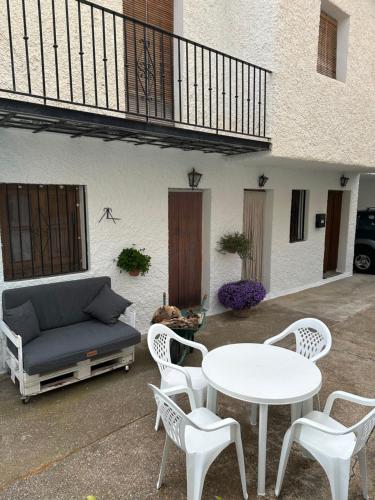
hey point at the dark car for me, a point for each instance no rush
(364, 252)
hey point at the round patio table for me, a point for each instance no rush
(261, 374)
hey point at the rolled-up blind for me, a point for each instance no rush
(327, 46)
(156, 12)
(149, 66)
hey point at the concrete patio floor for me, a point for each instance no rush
(97, 437)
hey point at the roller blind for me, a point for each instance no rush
(152, 59)
(327, 46)
(156, 12)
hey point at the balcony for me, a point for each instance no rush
(74, 67)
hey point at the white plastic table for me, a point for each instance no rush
(262, 374)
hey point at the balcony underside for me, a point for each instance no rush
(43, 118)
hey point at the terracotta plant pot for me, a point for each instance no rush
(135, 272)
(242, 313)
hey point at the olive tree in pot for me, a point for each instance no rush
(134, 261)
(235, 243)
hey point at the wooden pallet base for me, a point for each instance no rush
(37, 384)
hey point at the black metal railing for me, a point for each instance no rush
(78, 54)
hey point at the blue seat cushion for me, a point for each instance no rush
(61, 347)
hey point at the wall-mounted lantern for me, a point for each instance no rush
(194, 178)
(344, 180)
(262, 180)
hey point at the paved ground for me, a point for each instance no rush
(97, 437)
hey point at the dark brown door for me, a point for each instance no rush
(332, 230)
(185, 248)
(149, 58)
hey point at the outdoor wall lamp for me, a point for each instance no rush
(344, 180)
(262, 180)
(194, 178)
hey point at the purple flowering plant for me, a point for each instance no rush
(242, 294)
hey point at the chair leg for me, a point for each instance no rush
(157, 421)
(195, 476)
(253, 413)
(363, 471)
(200, 398)
(163, 462)
(284, 457)
(241, 463)
(339, 479)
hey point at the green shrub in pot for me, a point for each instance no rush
(134, 261)
(235, 243)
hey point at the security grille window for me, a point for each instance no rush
(297, 216)
(327, 46)
(43, 230)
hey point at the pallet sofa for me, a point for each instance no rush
(71, 344)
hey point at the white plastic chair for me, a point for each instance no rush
(331, 444)
(159, 338)
(313, 341)
(201, 434)
(313, 338)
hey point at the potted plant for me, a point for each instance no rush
(235, 243)
(241, 296)
(134, 261)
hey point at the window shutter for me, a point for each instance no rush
(153, 12)
(156, 55)
(327, 46)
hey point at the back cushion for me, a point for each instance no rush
(57, 304)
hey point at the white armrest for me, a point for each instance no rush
(310, 423)
(346, 396)
(173, 391)
(277, 338)
(191, 343)
(13, 337)
(178, 368)
(129, 317)
(226, 422)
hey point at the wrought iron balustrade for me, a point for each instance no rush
(79, 55)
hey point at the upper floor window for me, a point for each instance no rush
(327, 46)
(297, 216)
(43, 230)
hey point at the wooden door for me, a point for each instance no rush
(332, 230)
(149, 58)
(185, 248)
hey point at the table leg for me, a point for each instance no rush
(253, 413)
(296, 409)
(262, 449)
(211, 398)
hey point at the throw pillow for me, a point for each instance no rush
(23, 321)
(107, 306)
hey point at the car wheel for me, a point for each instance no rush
(364, 260)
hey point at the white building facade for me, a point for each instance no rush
(321, 130)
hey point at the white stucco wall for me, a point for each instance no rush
(134, 182)
(311, 116)
(366, 193)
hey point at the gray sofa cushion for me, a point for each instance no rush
(57, 304)
(59, 348)
(23, 321)
(107, 306)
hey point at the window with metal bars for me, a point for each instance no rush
(327, 46)
(43, 230)
(297, 216)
